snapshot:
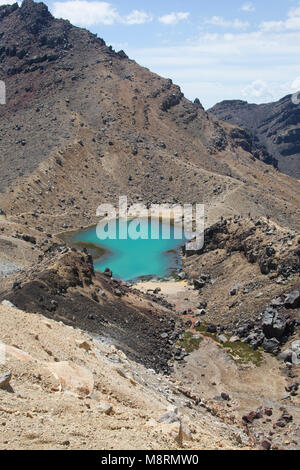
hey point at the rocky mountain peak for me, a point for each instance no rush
(35, 15)
(30, 29)
(7, 9)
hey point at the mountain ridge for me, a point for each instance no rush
(120, 126)
(274, 128)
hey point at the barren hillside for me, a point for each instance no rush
(71, 391)
(84, 124)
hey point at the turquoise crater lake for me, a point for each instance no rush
(130, 259)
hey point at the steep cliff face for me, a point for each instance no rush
(274, 127)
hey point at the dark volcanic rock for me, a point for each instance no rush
(249, 418)
(35, 15)
(266, 264)
(66, 292)
(255, 340)
(293, 300)
(271, 346)
(199, 284)
(211, 329)
(108, 272)
(171, 100)
(5, 379)
(29, 239)
(274, 326)
(266, 445)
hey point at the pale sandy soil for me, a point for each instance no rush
(209, 371)
(179, 293)
(58, 389)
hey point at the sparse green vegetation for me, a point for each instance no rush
(243, 354)
(239, 352)
(174, 275)
(190, 342)
(95, 250)
(202, 329)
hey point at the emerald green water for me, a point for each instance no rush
(130, 259)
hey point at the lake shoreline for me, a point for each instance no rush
(170, 258)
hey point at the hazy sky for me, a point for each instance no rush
(213, 49)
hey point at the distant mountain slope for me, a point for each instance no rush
(274, 127)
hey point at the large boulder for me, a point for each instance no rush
(274, 325)
(108, 272)
(264, 265)
(199, 284)
(243, 330)
(270, 251)
(211, 329)
(286, 355)
(255, 340)
(72, 377)
(271, 346)
(296, 352)
(296, 345)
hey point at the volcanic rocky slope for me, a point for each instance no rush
(69, 290)
(274, 129)
(247, 276)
